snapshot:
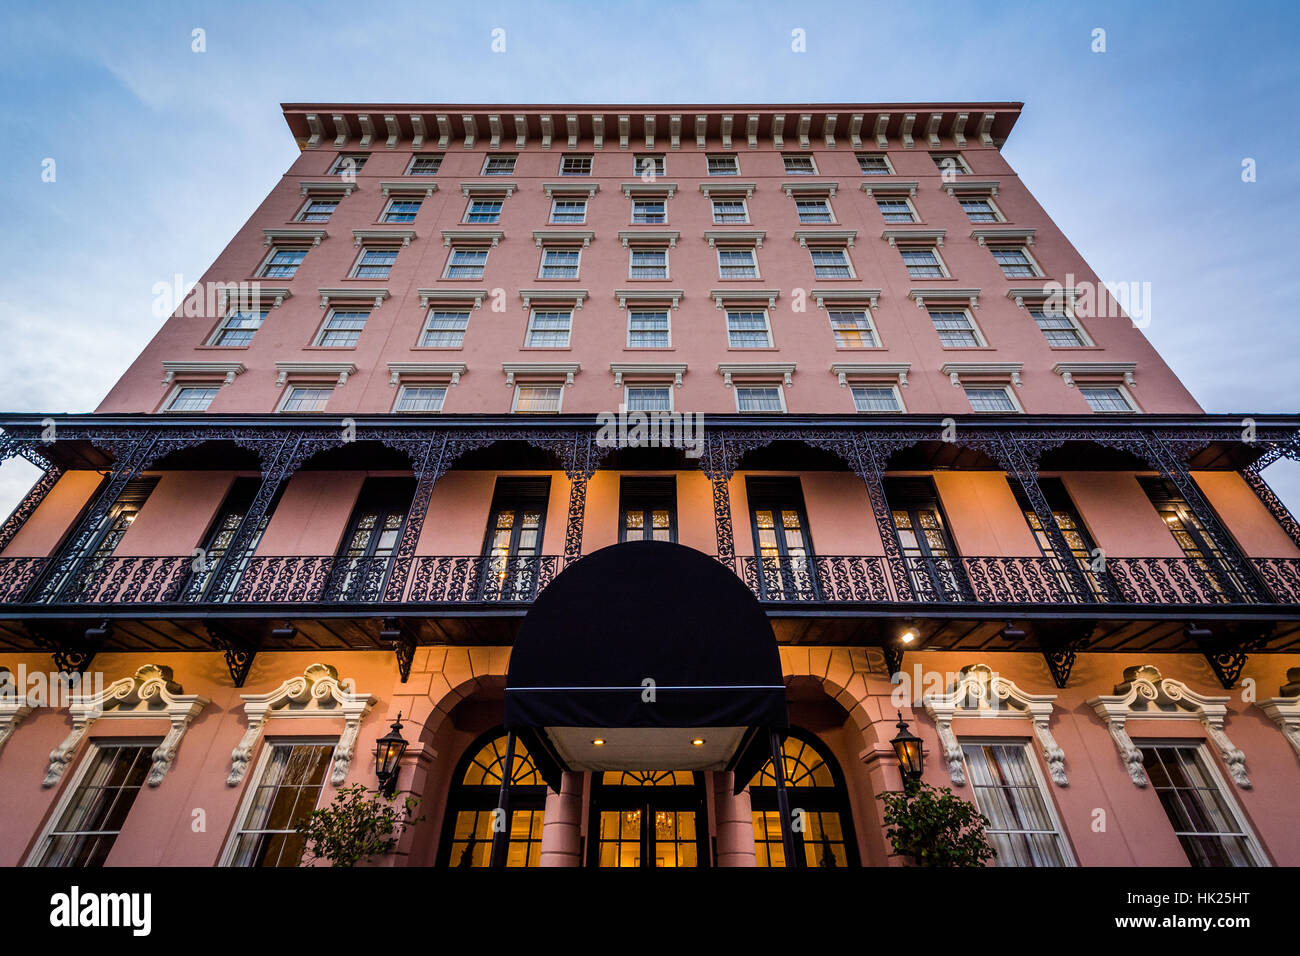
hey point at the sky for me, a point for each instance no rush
(160, 153)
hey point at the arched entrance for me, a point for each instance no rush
(467, 823)
(817, 788)
(647, 818)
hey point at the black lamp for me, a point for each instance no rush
(907, 746)
(388, 756)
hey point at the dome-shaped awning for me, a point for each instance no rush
(648, 647)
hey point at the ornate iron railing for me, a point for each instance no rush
(823, 579)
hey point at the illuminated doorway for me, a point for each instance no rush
(647, 818)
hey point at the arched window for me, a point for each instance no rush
(647, 818)
(475, 791)
(815, 786)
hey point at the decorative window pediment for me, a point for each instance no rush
(1146, 695)
(638, 370)
(540, 372)
(1283, 710)
(317, 693)
(1096, 370)
(648, 297)
(913, 236)
(570, 189)
(425, 372)
(810, 189)
(407, 188)
(845, 297)
(302, 236)
(758, 371)
(453, 296)
(935, 296)
(226, 371)
(151, 693)
(871, 372)
(13, 705)
(313, 370)
(982, 693)
(995, 371)
(891, 187)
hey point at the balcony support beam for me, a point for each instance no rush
(394, 631)
(239, 650)
(1061, 650)
(1227, 655)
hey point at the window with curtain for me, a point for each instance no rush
(1010, 793)
(1204, 818)
(287, 791)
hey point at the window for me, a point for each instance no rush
(342, 328)
(348, 164)
(956, 329)
(647, 818)
(759, 398)
(736, 263)
(569, 211)
(420, 398)
(650, 398)
(466, 263)
(81, 568)
(1073, 530)
(814, 210)
(549, 330)
(816, 787)
(895, 209)
(1015, 263)
(730, 211)
(560, 262)
(374, 263)
(93, 815)
(876, 398)
(980, 210)
(512, 543)
(649, 164)
(648, 264)
(799, 165)
(649, 212)
(476, 788)
(831, 263)
(502, 165)
(648, 330)
(1209, 564)
(647, 509)
(483, 210)
(238, 326)
(923, 263)
(874, 164)
(1059, 328)
(317, 210)
(723, 165)
(218, 557)
(424, 165)
(444, 330)
(401, 210)
(782, 545)
(575, 164)
(950, 163)
(985, 399)
(934, 568)
(374, 530)
(853, 329)
(748, 330)
(531, 399)
(305, 398)
(1107, 399)
(1205, 820)
(287, 791)
(1009, 791)
(192, 398)
(282, 263)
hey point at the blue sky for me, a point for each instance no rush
(162, 153)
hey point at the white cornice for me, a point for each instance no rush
(644, 370)
(472, 236)
(149, 694)
(488, 188)
(981, 693)
(890, 187)
(425, 371)
(451, 295)
(407, 187)
(1283, 710)
(1145, 695)
(652, 188)
(313, 370)
(1007, 370)
(13, 705)
(737, 237)
(563, 236)
(985, 236)
(845, 296)
(862, 371)
(1068, 370)
(768, 370)
(720, 296)
(317, 693)
(540, 371)
(404, 236)
(812, 188)
(625, 296)
(944, 295)
(973, 187)
(251, 293)
(826, 236)
(561, 296)
(314, 236)
(895, 236)
(1050, 292)
(649, 237)
(227, 370)
(352, 295)
(573, 188)
(732, 188)
(326, 187)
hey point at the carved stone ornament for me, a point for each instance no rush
(1146, 695)
(13, 705)
(1283, 710)
(150, 693)
(317, 693)
(981, 692)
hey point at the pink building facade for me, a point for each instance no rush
(459, 350)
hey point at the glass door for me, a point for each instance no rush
(782, 545)
(1076, 537)
(932, 562)
(513, 548)
(80, 573)
(202, 584)
(648, 818)
(362, 563)
(1213, 570)
(647, 509)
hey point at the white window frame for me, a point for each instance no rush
(744, 206)
(767, 323)
(410, 166)
(889, 166)
(1085, 340)
(632, 250)
(388, 208)
(559, 406)
(307, 203)
(1024, 251)
(336, 166)
(589, 157)
(214, 340)
(831, 310)
(318, 339)
(291, 387)
(406, 386)
(980, 341)
(569, 199)
(830, 210)
(829, 247)
(275, 250)
(962, 168)
(469, 208)
(374, 247)
(812, 161)
(424, 327)
(532, 317)
(661, 164)
(451, 255)
(1124, 393)
(921, 247)
(738, 387)
(661, 200)
(668, 315)
(1008, 390)
(492, 157)
(174, 393)
(559, 247)
(898, 398)
(627, 390)
(897, 197)
(732, 157)
(1040, 781)
(998, 215)
(254, 780)
(753, 252)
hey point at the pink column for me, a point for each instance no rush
(734, 823)
(562, 826)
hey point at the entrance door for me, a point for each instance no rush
(932, 562)
(782, 545)
(647, 818)
(513, 546)
(361, 566)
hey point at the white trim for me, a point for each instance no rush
(635, 310)
(980, 341)
(744, 297)
(1005, 389)
(401, 392)
(1112, 370)
(318, 370)
(753, 251)
(898, 398)
(353, 295)
(747, 237)
(669, 373)
(223, 372)
(562, 237)
(288, 394)
(830, 247)
(465, 219)
(574, 297)
(464, 297)
(627, 387)
(648, 296)
(780, 393)
(1283, 711)
(733, 197)
(924, 238)
(1002, 237)
(1063, 842)
(388, 208)
(722, 188)
(889, 187)
(778, 372)
(440, 373)
(13, 706)
(294, 237)
(558, 247)
(905, 200)
(514, 402)
(863, 373)
(659, 237)
(535, 372)
(944, 295)
(578, 186)
(636, 247)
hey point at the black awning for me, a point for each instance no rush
(646, 611)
